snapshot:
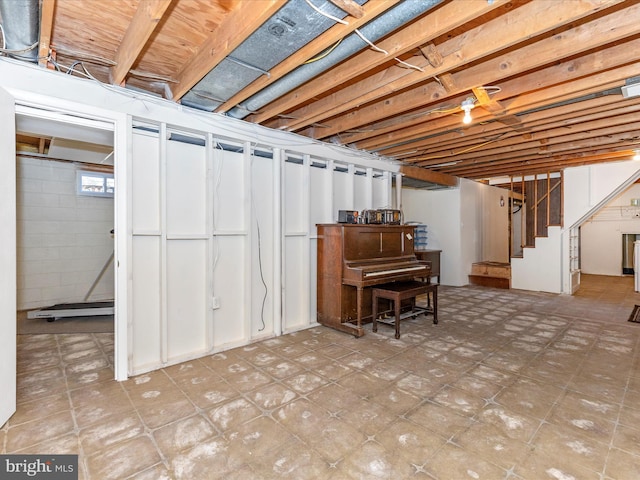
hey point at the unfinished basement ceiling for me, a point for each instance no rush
(543, 79)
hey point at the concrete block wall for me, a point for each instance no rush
(63, 239)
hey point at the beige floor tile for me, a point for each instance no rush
(627, 438)
(183, 434)
(231, 414)
(294, 461)
(40, 409)
(490, 443)
(110, 430)
(509, 384)
(572, 448)
(372, 460)
(166, 409)
(123, 459)
(585, 416)
(530, 398)
(440, 419)
(369, 418)
(38, 431)
(255, 439)
(413, 443)
(207, 394)
(622, 465)
(454, 462)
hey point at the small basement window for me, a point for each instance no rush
(95, 184)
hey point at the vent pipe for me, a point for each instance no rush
(21, 26)
(379, 27)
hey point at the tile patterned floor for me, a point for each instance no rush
(509, 385)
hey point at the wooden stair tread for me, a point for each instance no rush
(486, 281)
(491, 269)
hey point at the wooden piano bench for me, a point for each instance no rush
(399, 291)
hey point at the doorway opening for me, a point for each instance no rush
(65, 224)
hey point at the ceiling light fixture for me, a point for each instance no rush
(467, 105)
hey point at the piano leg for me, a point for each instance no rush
(359, 295)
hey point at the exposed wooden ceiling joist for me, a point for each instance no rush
(544, 76)
(144, 22)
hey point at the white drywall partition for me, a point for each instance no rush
(8, 365)
(189, 258)
(146, 279)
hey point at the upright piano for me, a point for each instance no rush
(352, 258)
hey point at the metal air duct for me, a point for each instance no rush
(292, 27)
(21, 26)
(379, 27)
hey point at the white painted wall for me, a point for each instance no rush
(64, 239)
(539, 269)
(495, 224)
(457, 222)
(585, 190)
(587, 187)
(601, 235)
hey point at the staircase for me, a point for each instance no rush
(540, 216)
(491, 274)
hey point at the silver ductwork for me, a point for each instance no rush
(21, 26)
(292, 27)
(394, 18)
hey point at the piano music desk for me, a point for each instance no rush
(399, 291)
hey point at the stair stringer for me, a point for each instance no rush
(540, 268)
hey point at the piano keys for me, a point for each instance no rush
(354, 258)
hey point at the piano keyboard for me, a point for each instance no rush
(392, 271)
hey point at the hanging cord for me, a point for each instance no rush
(335, 19)
(266, 289)
(378, 49)
(371, 44)
(9, 51)
(360, 34)
(324, 54)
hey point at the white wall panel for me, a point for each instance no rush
(145, 205)
(146, 304)
(229, 191)
(186, 298)
(342, 193)
(169, 253)
(262, 288)
(229, 326)
(363, 194)
(382, 191)
(296, 266)
(294, 188)
(313, 280)
(320, 207)
(186, 189)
